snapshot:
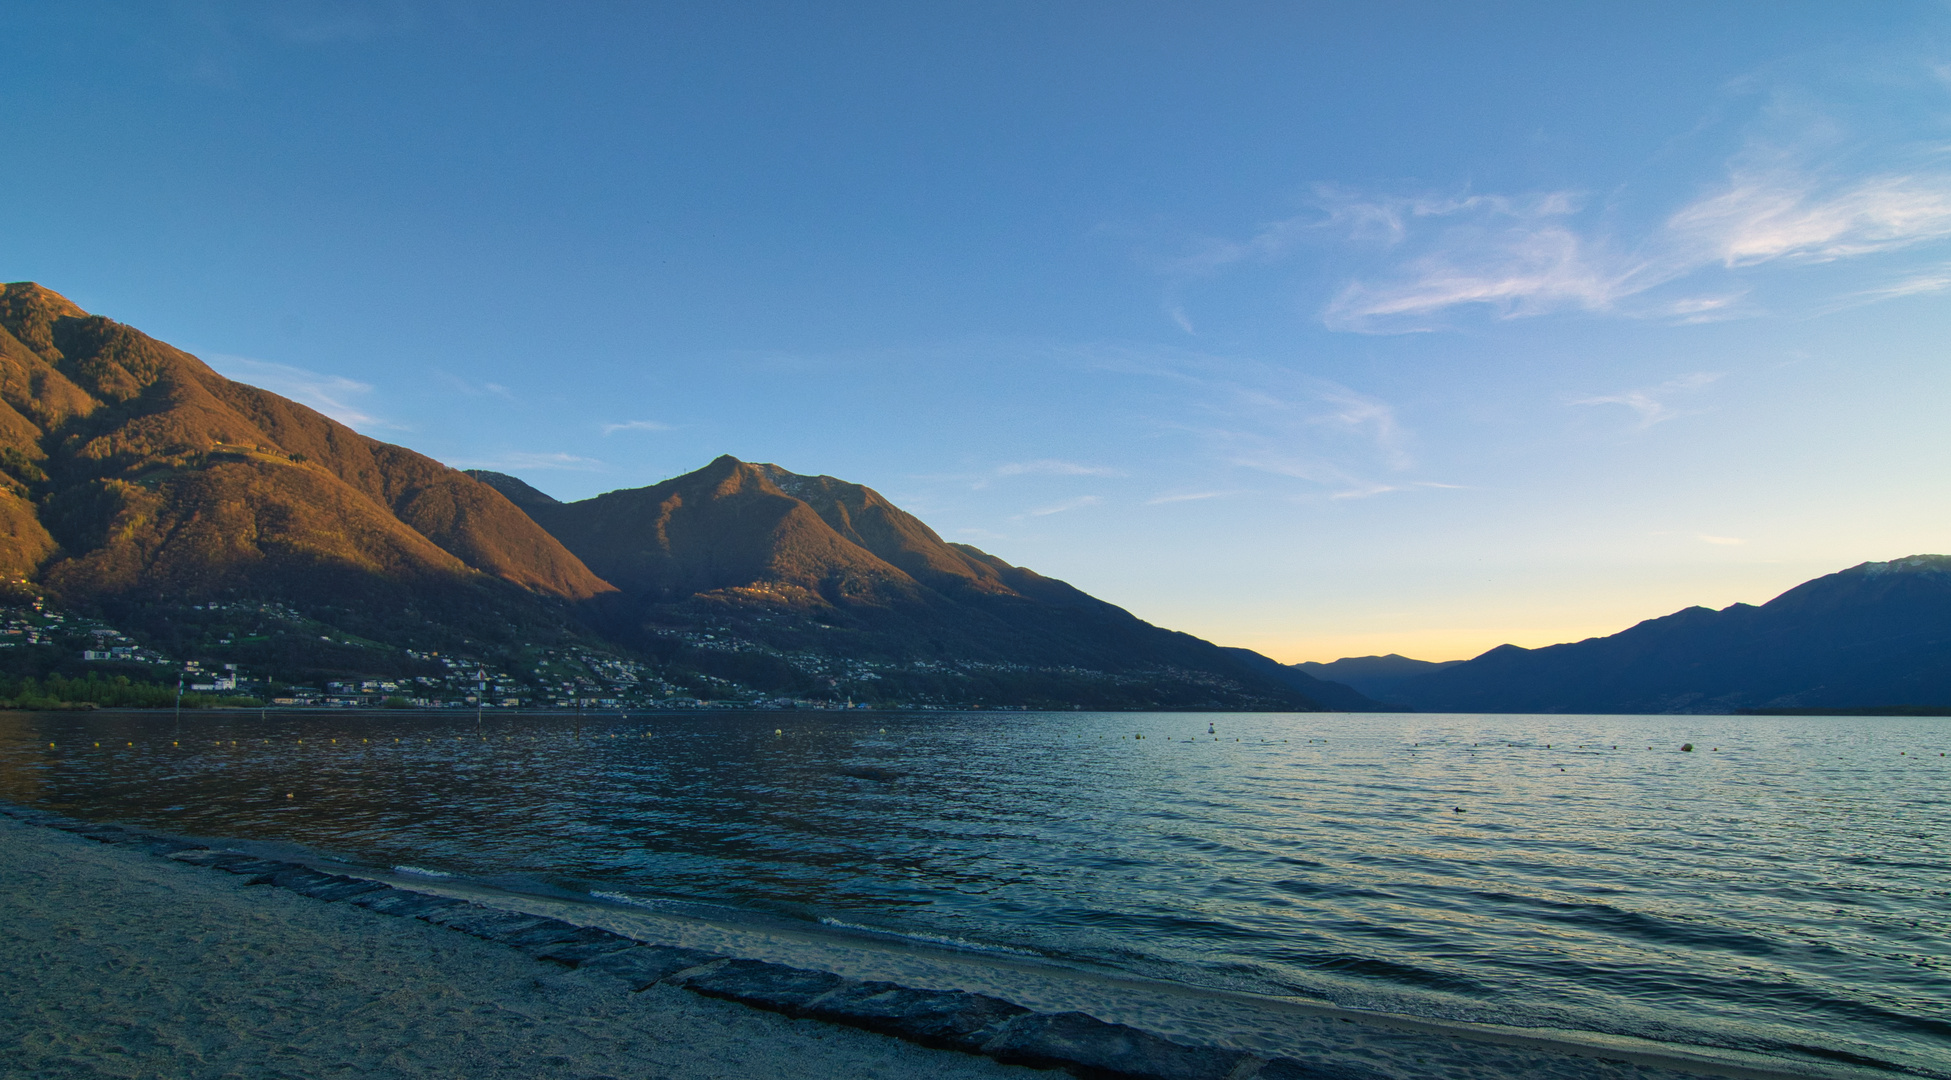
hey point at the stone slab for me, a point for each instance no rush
(1083, 1043)
(300, 877)
(544, 933)
(587, 943)
(949, 1019)
(766, 986)
(493, 924)
(405, 903)
(259, 870)
(647, 965)
(106, 834)
(342, 889)
(330, 888)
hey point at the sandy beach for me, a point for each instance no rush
(116, 961)
(117, 964)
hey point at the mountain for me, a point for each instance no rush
(182, 515)
(134, 479)
(1878, 634)
(1379, 677)
(815, 564)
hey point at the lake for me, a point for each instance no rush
(1783, 887)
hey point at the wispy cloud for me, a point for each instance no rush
(1516, 256)
(636, 425)
(1073, 504)
(519, 459)
(1364, 491)
(1307, 429)
(1781, 211)
(1725, 541)
(1053, 467)
(334, 395)
(1804, 182)
(1935, 280)
(471, 389)
(1162, 500)
(1009, 470)
(1359, 413)
(1269, 418)
(1207, 255)
(1654, 404)
(1532, 256)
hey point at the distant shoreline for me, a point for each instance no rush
(1865, 710)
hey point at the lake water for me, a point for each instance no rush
(1785, 887)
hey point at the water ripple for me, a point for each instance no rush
(1782, 888)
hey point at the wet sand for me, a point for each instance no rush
(116, 962)
(119, 964)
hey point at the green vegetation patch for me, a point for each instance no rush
(114, 692)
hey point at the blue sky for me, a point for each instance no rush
(1325, 329)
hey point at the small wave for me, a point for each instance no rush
(626, 898)
(420, 871)
(953, 943)
(694, 909)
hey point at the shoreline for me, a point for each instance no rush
(1065, 1015)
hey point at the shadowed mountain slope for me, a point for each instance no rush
(1877, 634)
(1331, 694)
(136, 473)
(813, 562)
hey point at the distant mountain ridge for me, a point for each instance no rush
(1379, 677)
(1876, 634)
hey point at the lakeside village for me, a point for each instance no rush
(570, 677)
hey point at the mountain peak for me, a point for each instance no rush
(29, 312)
(34, 294)
(816, 562)
(155, 476)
